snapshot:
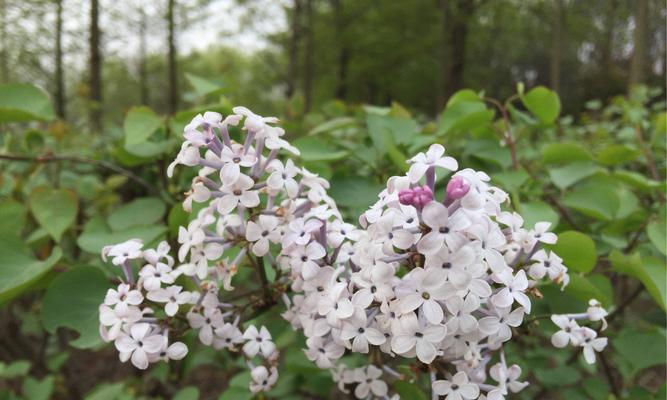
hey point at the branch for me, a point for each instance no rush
(48, 158)
(508, 135)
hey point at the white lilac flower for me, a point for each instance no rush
(258, 341)
(595, 312)
(206, 323)
(369, 382)
(113, 320)
(263, 379)
(419, 336)
(228, 336)
(423, 289)
(174, 351)
(121, 252)
(161, 254)
(323, 353)
(172, 296)
(239, 192)
(500, 323)
(508, 378)
(122, 298)
(262, 232)
(513, 291)
(234, 158)
(139, 342)
(566, 334)
(456, 388)
(587, 338)
(444, 228)
(546, 264)
(153, 276)
(282, 176)
(432, 158)
(191, 236)
(357, 330)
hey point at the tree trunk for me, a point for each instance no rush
(443, 53)
(95, 69)
(295, 37)
(638, 66)
(557, 46)
(143, 71)
(309, 62)
(343, 50)
(458, 35)
(171, 60)
(59, 78)
(4, 54)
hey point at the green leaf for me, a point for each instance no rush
(72, 301)
(38, 390)
(202, 86)
(536, 211)
(409, 390)
(19, 267)
(15, 369)
(313, 149)
(511, 181)
(97, 234)
(558, 376)
(596, 198)
(383, 133)
(637, 180)
(570, 174)
(54, 209)
(106, 391)
(577, 251)
(543, 103)
(649, 270)
(20, 102)
(140, 123)
(142, 211)
(656, 232)
(333, 125)
(616, 154)
(465, 111)
(594, 286)
(401, 129)
(354, 191)
(12, 217)
(187, 393)
(641, 349)
(563, 152)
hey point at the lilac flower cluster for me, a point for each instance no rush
(436, 282)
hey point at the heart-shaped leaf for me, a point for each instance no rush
(54, 209)
(19, 267)
(20, 102)
(72, 301)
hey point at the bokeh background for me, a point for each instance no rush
(95, 94)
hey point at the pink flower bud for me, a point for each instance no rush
(405, 197)
(457, 188)
(418, 196)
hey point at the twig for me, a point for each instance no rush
(48, 158)
(610, 377)
(650, 162)
(508, 135)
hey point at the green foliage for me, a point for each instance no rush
(543, 103)
(20, 268)
(588, 176)
(72, 301)
(577, 251)
(54, 209)
(23, 102)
